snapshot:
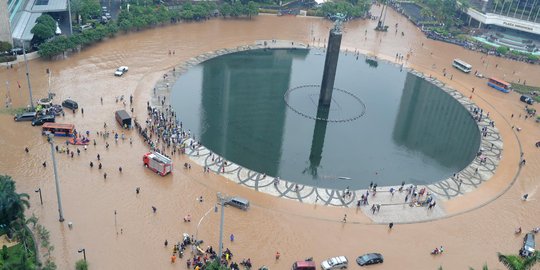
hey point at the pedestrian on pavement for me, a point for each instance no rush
(232, 237)
(44, 164)
(277, 255)
(91, 164)
(104, 175)
(166, 242)
(344, 218)
(391, 225)
(137, 190)
(154, 209)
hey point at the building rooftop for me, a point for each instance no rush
(46, 5)
(25, 25)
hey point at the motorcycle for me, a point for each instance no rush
(437, 251)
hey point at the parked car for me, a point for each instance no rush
(528, 245)
(121, 70)
(370, 258)
(86, 27)
(527, 99)
(339, 262)
(304, 265)
(43, 119)
(18, 51)
(70, 104)
(238, 202)
(27, 116)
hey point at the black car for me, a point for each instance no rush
(70, 104)
(527, 99)
(43, 119)
(528, 245)
(370, 258)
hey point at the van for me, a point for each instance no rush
(304, 265)
(27, 116)
(123, 118)
(238, 202)
(526, 99)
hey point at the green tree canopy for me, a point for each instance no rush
(514, 262)
(45, 27)
(12, 204)
(5, 46)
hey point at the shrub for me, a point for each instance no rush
(503, 50)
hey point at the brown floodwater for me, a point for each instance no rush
(133, 239)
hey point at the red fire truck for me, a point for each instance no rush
(158, 163)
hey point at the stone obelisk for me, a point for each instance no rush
(330, 65)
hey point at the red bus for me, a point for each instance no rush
(499, 85)
(65, 130)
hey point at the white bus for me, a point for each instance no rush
(461, 65)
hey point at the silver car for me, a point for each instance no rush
(339, 262)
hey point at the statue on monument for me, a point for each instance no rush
(338, 23)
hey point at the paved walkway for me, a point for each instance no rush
(392, 207)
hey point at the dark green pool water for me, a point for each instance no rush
(410, 131)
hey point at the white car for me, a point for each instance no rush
(120, 71)
(340, 262)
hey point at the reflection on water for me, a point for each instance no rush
(431, 123)
(317, 143)
(411, 131)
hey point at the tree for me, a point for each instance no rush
(225, 9)
(45, 27)
(503, 50)
(12, 204)
(89, 9)
(47, 20)
(5, 46)
(81, 265)
(252, 9)
(514, 262)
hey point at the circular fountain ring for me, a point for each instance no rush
(345, 106)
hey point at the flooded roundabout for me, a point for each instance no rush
(473, 220)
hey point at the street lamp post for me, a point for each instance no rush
(40, 198)
(83, 250)
(28, 78)
(199, 224)
(69, 18)
(222, 200)
(60, 211)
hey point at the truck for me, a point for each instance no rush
(158, 163)
(123, 118)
